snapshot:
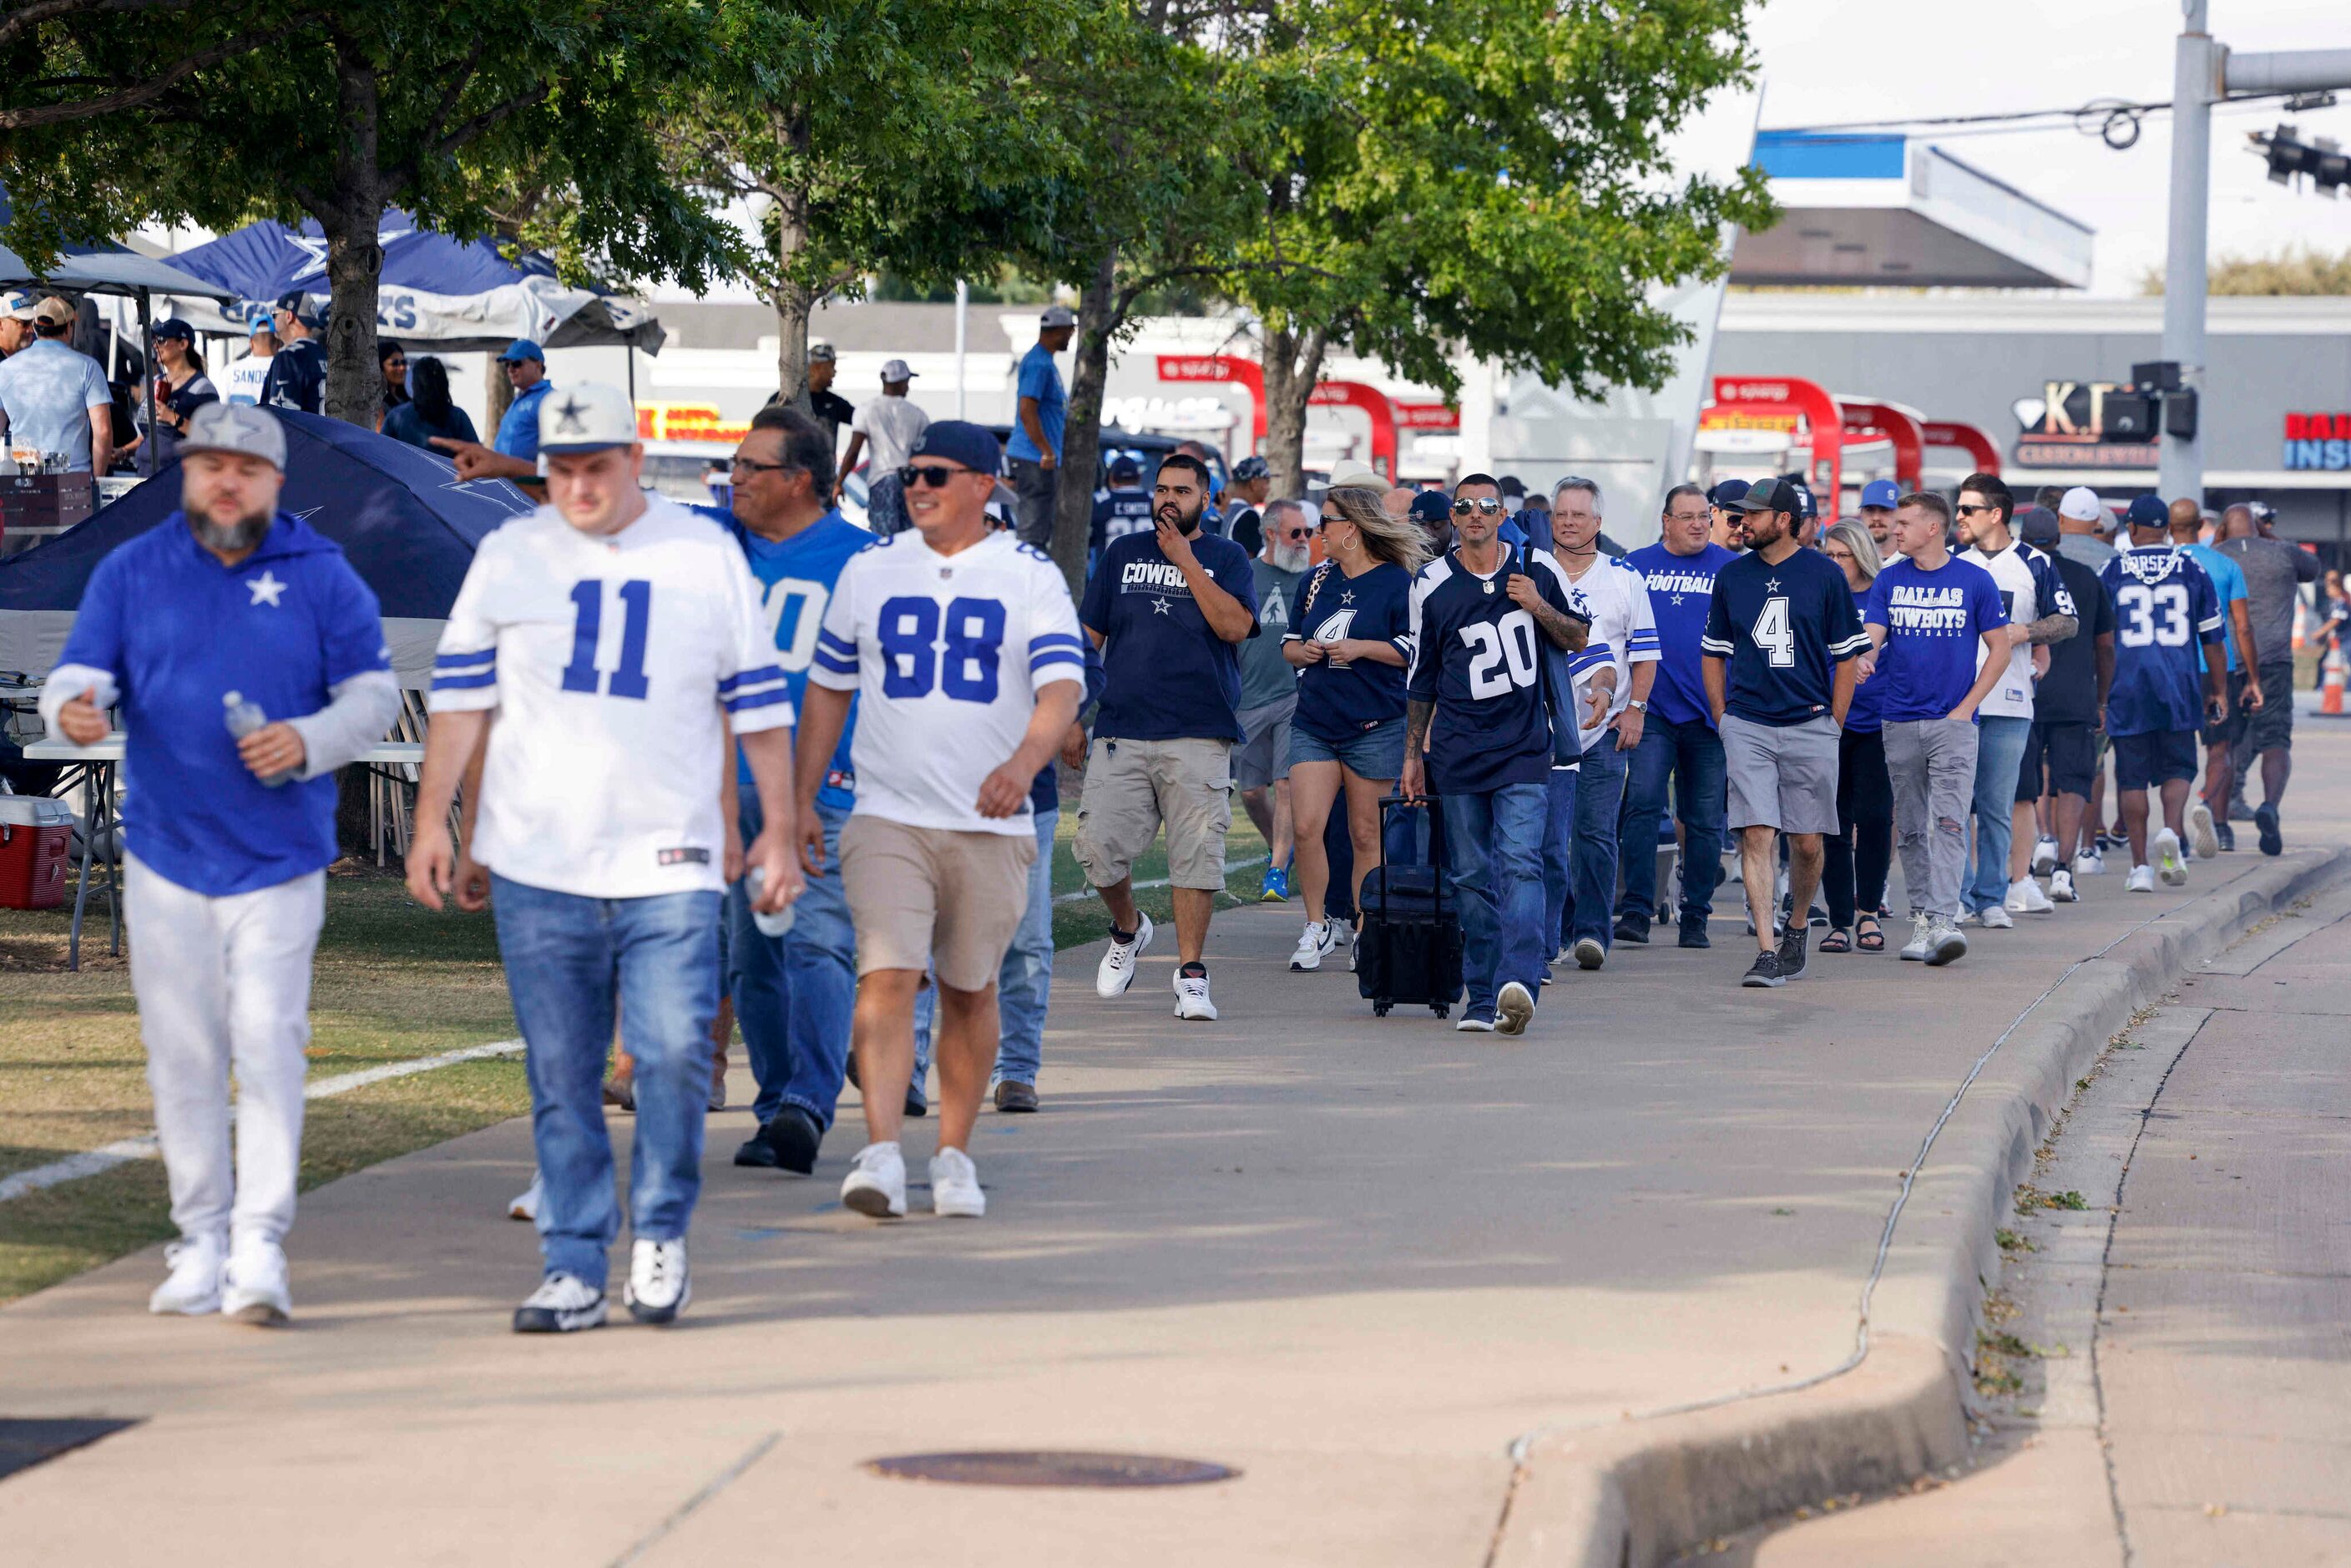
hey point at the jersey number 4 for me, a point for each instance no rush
(913, 661)
(2140, 604)
(1503, 655)
(588, 622)
(1774, 635)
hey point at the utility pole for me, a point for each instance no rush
(2203, 73)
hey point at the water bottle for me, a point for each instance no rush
(769, 924)
(244, 718)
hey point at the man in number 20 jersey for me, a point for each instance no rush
(2166, 621)
(608, 631)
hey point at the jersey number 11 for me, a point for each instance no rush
(587, 605)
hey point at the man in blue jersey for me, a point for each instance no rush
(2166, 611)
(794, 994)
(2209, 832)
(1476, 698)
(1678, 739)
(1780, 637)
(1122, 508)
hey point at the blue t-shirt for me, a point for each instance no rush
(178, 631)
(1935, 622)
(47, 390)
(1039, 379)
(2165, 606)
(1336, 705)
(1681, 589)
(1784, 627)
(518, 426)
(1166, 675)
(796, 582)
(2228, 587)
(1478, 657)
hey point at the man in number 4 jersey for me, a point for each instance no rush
(615, 635)
(961, 647)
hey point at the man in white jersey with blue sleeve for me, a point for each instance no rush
(962, 648)
(615, 636)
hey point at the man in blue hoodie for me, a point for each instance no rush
(228, 606)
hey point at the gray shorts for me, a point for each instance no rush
(1263, 754)
(1781, 778)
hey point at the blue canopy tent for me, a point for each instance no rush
(434, 291)
(408, 524)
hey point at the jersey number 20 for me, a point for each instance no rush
(1503, 655)
(912, 661)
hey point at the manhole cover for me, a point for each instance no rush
(1047, 1467)
(26, 1442)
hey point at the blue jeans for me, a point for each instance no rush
(1024, 983)
(1999, 756)
(566, 957)
(1493, 853)
(794, 993)
(1580, 847)
(1691, 754)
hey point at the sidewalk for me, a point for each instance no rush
(1356, 1259)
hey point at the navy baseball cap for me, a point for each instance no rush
(173, 327)
(1125, 467)
(1773, 496)
(2149, 512)
(298, 304)
(522, 349)
(960, 441)
(1727, 495)
(2038, 527)
(1806, 507)
(1430, 506)
(1249, 469)
(1881, 493)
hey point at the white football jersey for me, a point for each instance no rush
(608, 660)
(946, 653)
(1624, 634)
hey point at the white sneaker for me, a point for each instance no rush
(563, 1304)
(1945, 942)
(1589, 953)
(1514, 1008)
(193, 1286)
(2169, 864)
(876, 1182)
(659, 1282)
(1966, 917)
(2141, 880)
(2061, 887)
(254, 1289)
(1995, 917)
(1192, 1003)
(1117, 970)
(2089, 862)
(1314, 943)
(2045, 856)
(955, 1187)
(2025, 897)
(1922, 927)
(2201, 833)
(1474, 1025)
(526, 1202)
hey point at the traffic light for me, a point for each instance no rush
(2290, 159)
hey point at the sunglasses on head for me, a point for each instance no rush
(935, 474)
(1485, 505)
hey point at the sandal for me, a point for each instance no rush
(1873, 935)
(1836, 941)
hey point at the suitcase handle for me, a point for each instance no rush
(1436, 839)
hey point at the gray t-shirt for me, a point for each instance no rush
(2089, 548)
(2272, 569)
(1266, 676)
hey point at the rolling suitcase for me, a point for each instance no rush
(1409, 941)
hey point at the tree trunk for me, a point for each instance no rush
(497, 395)
(1293, 363)
(352, 215)
(793, 307)
(794, 302)
(1073, 495)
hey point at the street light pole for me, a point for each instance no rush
(2195, 83)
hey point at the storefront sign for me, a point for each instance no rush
(688, 421)
(2318, 442)
(2066, 428)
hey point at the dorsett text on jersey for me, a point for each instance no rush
(1156, 575)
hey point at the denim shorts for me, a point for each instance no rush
(1373, 753)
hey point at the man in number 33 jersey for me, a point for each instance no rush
(608, 632)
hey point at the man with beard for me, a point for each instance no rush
(229, 606)
(1169, 610)
(1269, 688)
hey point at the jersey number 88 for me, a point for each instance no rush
(913, 661)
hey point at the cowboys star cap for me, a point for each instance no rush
(589, 417)
(1881, 493)
(237, 427)
(2080, 504)
(2149, 512)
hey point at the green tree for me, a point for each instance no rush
(447, 108)
(2297, 270)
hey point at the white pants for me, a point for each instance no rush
(222, 980)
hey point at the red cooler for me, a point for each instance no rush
(36, 842)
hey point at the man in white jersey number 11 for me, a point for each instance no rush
(962, 645)
(606, 642)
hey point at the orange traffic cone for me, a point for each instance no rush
(2330, 690)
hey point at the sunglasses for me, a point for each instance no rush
(1298, 533)
(753, 466)
(937, 475)
(1967, 511)
(1485, 507)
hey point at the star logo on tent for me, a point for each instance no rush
(265, 589)
(315, 248)
(567, 420)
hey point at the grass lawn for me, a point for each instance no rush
(393, 982)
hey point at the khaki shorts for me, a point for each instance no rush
(919, 896)
(1134, 786)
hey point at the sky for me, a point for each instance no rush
(1828, 61)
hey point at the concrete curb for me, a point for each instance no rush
(1641, 1493)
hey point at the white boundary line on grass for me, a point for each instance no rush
(1086, 893)
(89, 1162)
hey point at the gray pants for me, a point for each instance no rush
(1932, 765)
(1033, 484)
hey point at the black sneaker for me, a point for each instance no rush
(2227, 836)
(1694, 935)
(1016, 1097)
(791, 1137)
(1633, 928)
(917, 1103)
(756, 1153)
(1764, 971)
(2266, 820)
(1792, 953)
